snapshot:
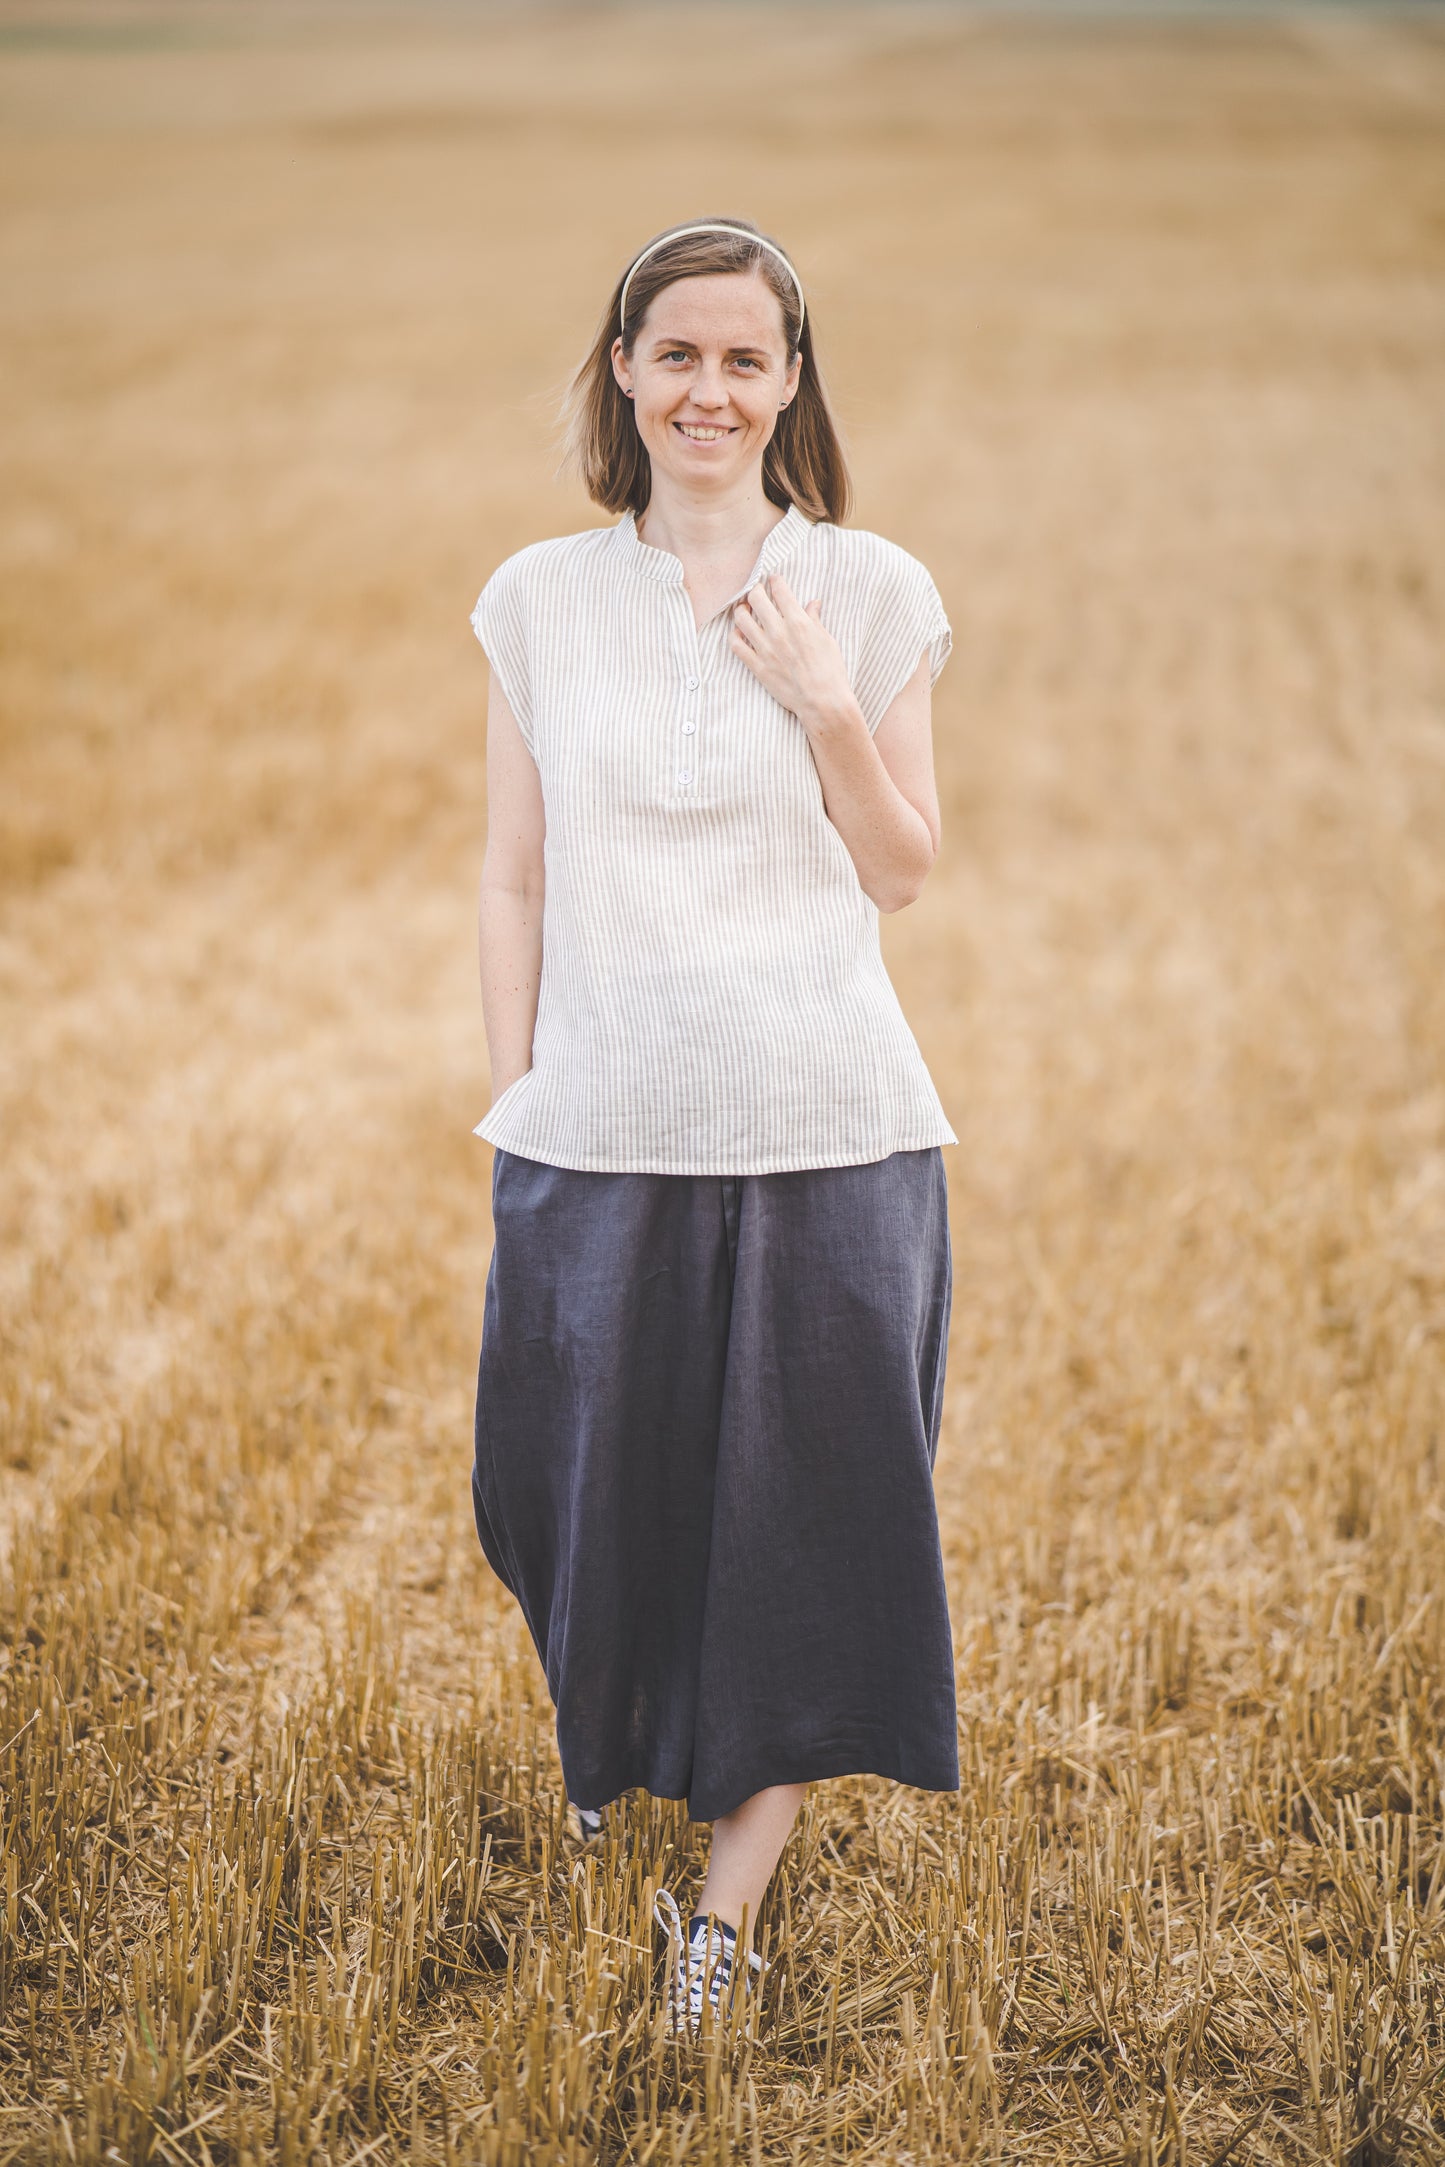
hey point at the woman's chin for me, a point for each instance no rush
(694, 469)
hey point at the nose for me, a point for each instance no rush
(710, 388)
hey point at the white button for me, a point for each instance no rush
(684, 776)
(692, 684)
(688, 728)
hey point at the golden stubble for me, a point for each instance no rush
(1136, 332)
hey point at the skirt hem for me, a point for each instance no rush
(826, 1768)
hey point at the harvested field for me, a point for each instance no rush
(1138, 333)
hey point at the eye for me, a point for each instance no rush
(676, 353)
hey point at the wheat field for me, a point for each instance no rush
(1137, 333)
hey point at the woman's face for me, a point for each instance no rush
(708, 376)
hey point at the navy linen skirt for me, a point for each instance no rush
(707, 1415)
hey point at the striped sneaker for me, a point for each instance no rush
(701, 1961)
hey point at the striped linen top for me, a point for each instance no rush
(713, 997)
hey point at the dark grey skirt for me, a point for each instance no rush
(707, 1415)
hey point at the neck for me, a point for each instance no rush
(709, 529)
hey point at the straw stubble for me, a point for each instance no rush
(1136, 332)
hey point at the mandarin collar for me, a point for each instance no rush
(778, 545)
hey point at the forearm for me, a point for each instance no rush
(509, 939)
(888, 839)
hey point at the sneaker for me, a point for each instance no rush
(588, 1821)
(701, 1960)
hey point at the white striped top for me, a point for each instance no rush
(713, 996)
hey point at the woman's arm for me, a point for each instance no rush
(509, 911)
(879, 791)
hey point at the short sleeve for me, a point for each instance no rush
(500, 623)
(907, 618)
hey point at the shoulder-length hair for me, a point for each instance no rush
(803, 463)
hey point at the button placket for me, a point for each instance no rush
(689, 650)
(685, 770)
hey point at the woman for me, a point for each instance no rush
(717, 1310)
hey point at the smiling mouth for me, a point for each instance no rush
(698, 432)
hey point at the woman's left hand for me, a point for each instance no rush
(790, 651)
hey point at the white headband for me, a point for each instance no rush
(743, 234)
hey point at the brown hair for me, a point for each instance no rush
(803, 463)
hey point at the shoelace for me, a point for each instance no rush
(701, 1959)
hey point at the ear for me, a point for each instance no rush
(620, 368)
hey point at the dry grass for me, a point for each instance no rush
(1138, 334)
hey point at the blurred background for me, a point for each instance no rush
(1135, 325)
